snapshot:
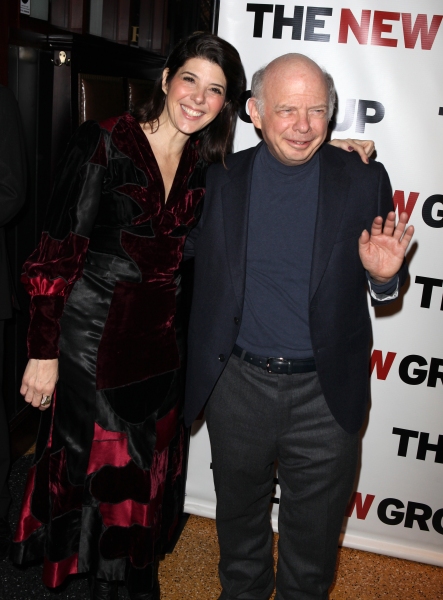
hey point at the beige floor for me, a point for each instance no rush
(191, 571)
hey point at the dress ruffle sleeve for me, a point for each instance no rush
(56, 264)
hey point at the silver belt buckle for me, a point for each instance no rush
(270, 358)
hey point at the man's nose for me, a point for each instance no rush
(302, 124)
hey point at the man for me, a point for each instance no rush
(12, 197)
(281, 270)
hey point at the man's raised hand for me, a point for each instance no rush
(383, 250)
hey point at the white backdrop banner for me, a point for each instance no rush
(386, 60)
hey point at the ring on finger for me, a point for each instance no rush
(46, 401)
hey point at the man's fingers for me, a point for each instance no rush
(389, 226)
(377, 226)
(364, 238)
(407, 236)
(401, 225)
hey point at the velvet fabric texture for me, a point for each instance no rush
(104, 493)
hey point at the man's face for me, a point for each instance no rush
(294, 122)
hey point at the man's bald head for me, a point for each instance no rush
(285, 64)
(292, 102)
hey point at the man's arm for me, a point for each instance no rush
(12, 158)
(382, 251)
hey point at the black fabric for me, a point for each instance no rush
(64, 536)
(142, 584)
(41, 502)
(31, 550)
(116, 485)
(102, 589)
(78, 352)
(80, 206)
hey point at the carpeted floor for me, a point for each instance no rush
(190, 573)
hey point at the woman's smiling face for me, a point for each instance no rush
(194, 96)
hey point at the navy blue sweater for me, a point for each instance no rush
(282, 213)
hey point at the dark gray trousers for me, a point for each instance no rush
(255, 418)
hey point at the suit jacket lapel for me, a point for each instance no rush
(235, 199)
(332, 197)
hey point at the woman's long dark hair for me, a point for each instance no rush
(215, 140)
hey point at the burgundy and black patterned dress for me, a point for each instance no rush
(106, 487)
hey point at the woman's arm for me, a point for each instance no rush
(364, 147)
(57, 263)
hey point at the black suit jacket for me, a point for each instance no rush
(12, 185)
(351, 194)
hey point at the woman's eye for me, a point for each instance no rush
(216, 90)
(187, 78)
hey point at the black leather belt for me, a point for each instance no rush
(273, 364)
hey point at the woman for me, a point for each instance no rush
(105, 340)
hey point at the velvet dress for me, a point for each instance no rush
(105, 490)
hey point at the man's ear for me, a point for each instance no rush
(164, 77)
(253, 113)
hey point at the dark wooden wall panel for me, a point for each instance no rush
(76, 10)
(123, 21)
(146, 23)
(109, 23)
(159, 41)
(60, 13)
(61, 126)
